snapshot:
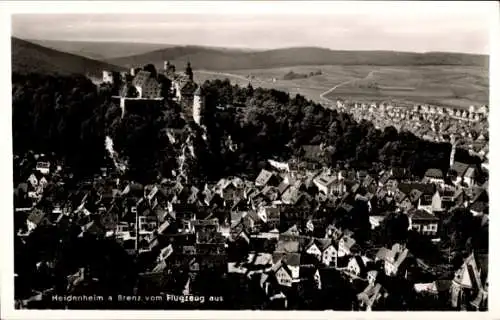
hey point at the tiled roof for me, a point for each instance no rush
(425, 188)
(264, 177)
(36, 216)
(423, 215)
(470, 173)
(349, 242)
(479, 206)
(140, 78)
(287, 246)
(434, 173)
(460, 168)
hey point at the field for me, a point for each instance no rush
(456, 86)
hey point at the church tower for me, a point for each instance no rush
(198, 105)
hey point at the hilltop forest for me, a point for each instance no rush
(70, 116)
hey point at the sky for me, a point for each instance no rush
(462, 27)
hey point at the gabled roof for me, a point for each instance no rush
(264, 177)
(384, 178)
(323, 243)
(434, 173)
(291, 195)
(415, 195)
(283, 187)
(36, 216)
(361, 261)
(398, 173)
(368, 181)
(348, 242)
(292, 259)
(325, 179)
(479, 206)
(425, 188)
(420, 215)
(460, 168)
(272, 213)
(290, 246)
(370, 294)
(401, 258)
(470, 173)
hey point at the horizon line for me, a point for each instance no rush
(172, 45)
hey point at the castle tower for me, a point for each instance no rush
(453, 150)
(189, 71)
(198, 105)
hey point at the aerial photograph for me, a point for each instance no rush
(208, 161)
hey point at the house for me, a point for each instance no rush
(43, 167)
(470, 177)
(92, 228)
(371, 276)
(287, 246)
(165, 253)
(333, 232)
(291, 194)
(423, 222)
(369, 184)
(358, 266)
(324, 183)
(270, 215)
(458, 170)
(443, 199)
(435, 288)
(345, 245)
(398, 174)
(393, 259)
(323, 250)
(267, 178)
(468, 283)
(146, 85)
(478, 208)
(282, 166)
(37, 218)
(291, 233)
(370, 296)
(289, 270)
(147, 224)
(434, 176)
(33, 180)
(252, 221)
(376, 220)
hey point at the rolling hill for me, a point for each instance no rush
(29, 57)
(100, 50)
(217, 59)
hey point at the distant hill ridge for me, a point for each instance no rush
(28, 57)
(31, 57)
(217, 59)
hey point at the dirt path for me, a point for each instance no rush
(258, 81)
(322, 96)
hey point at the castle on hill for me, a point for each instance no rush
(186, 91)
(140, 87)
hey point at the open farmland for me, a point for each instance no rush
(456, 86)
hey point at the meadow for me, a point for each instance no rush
(455, 86)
